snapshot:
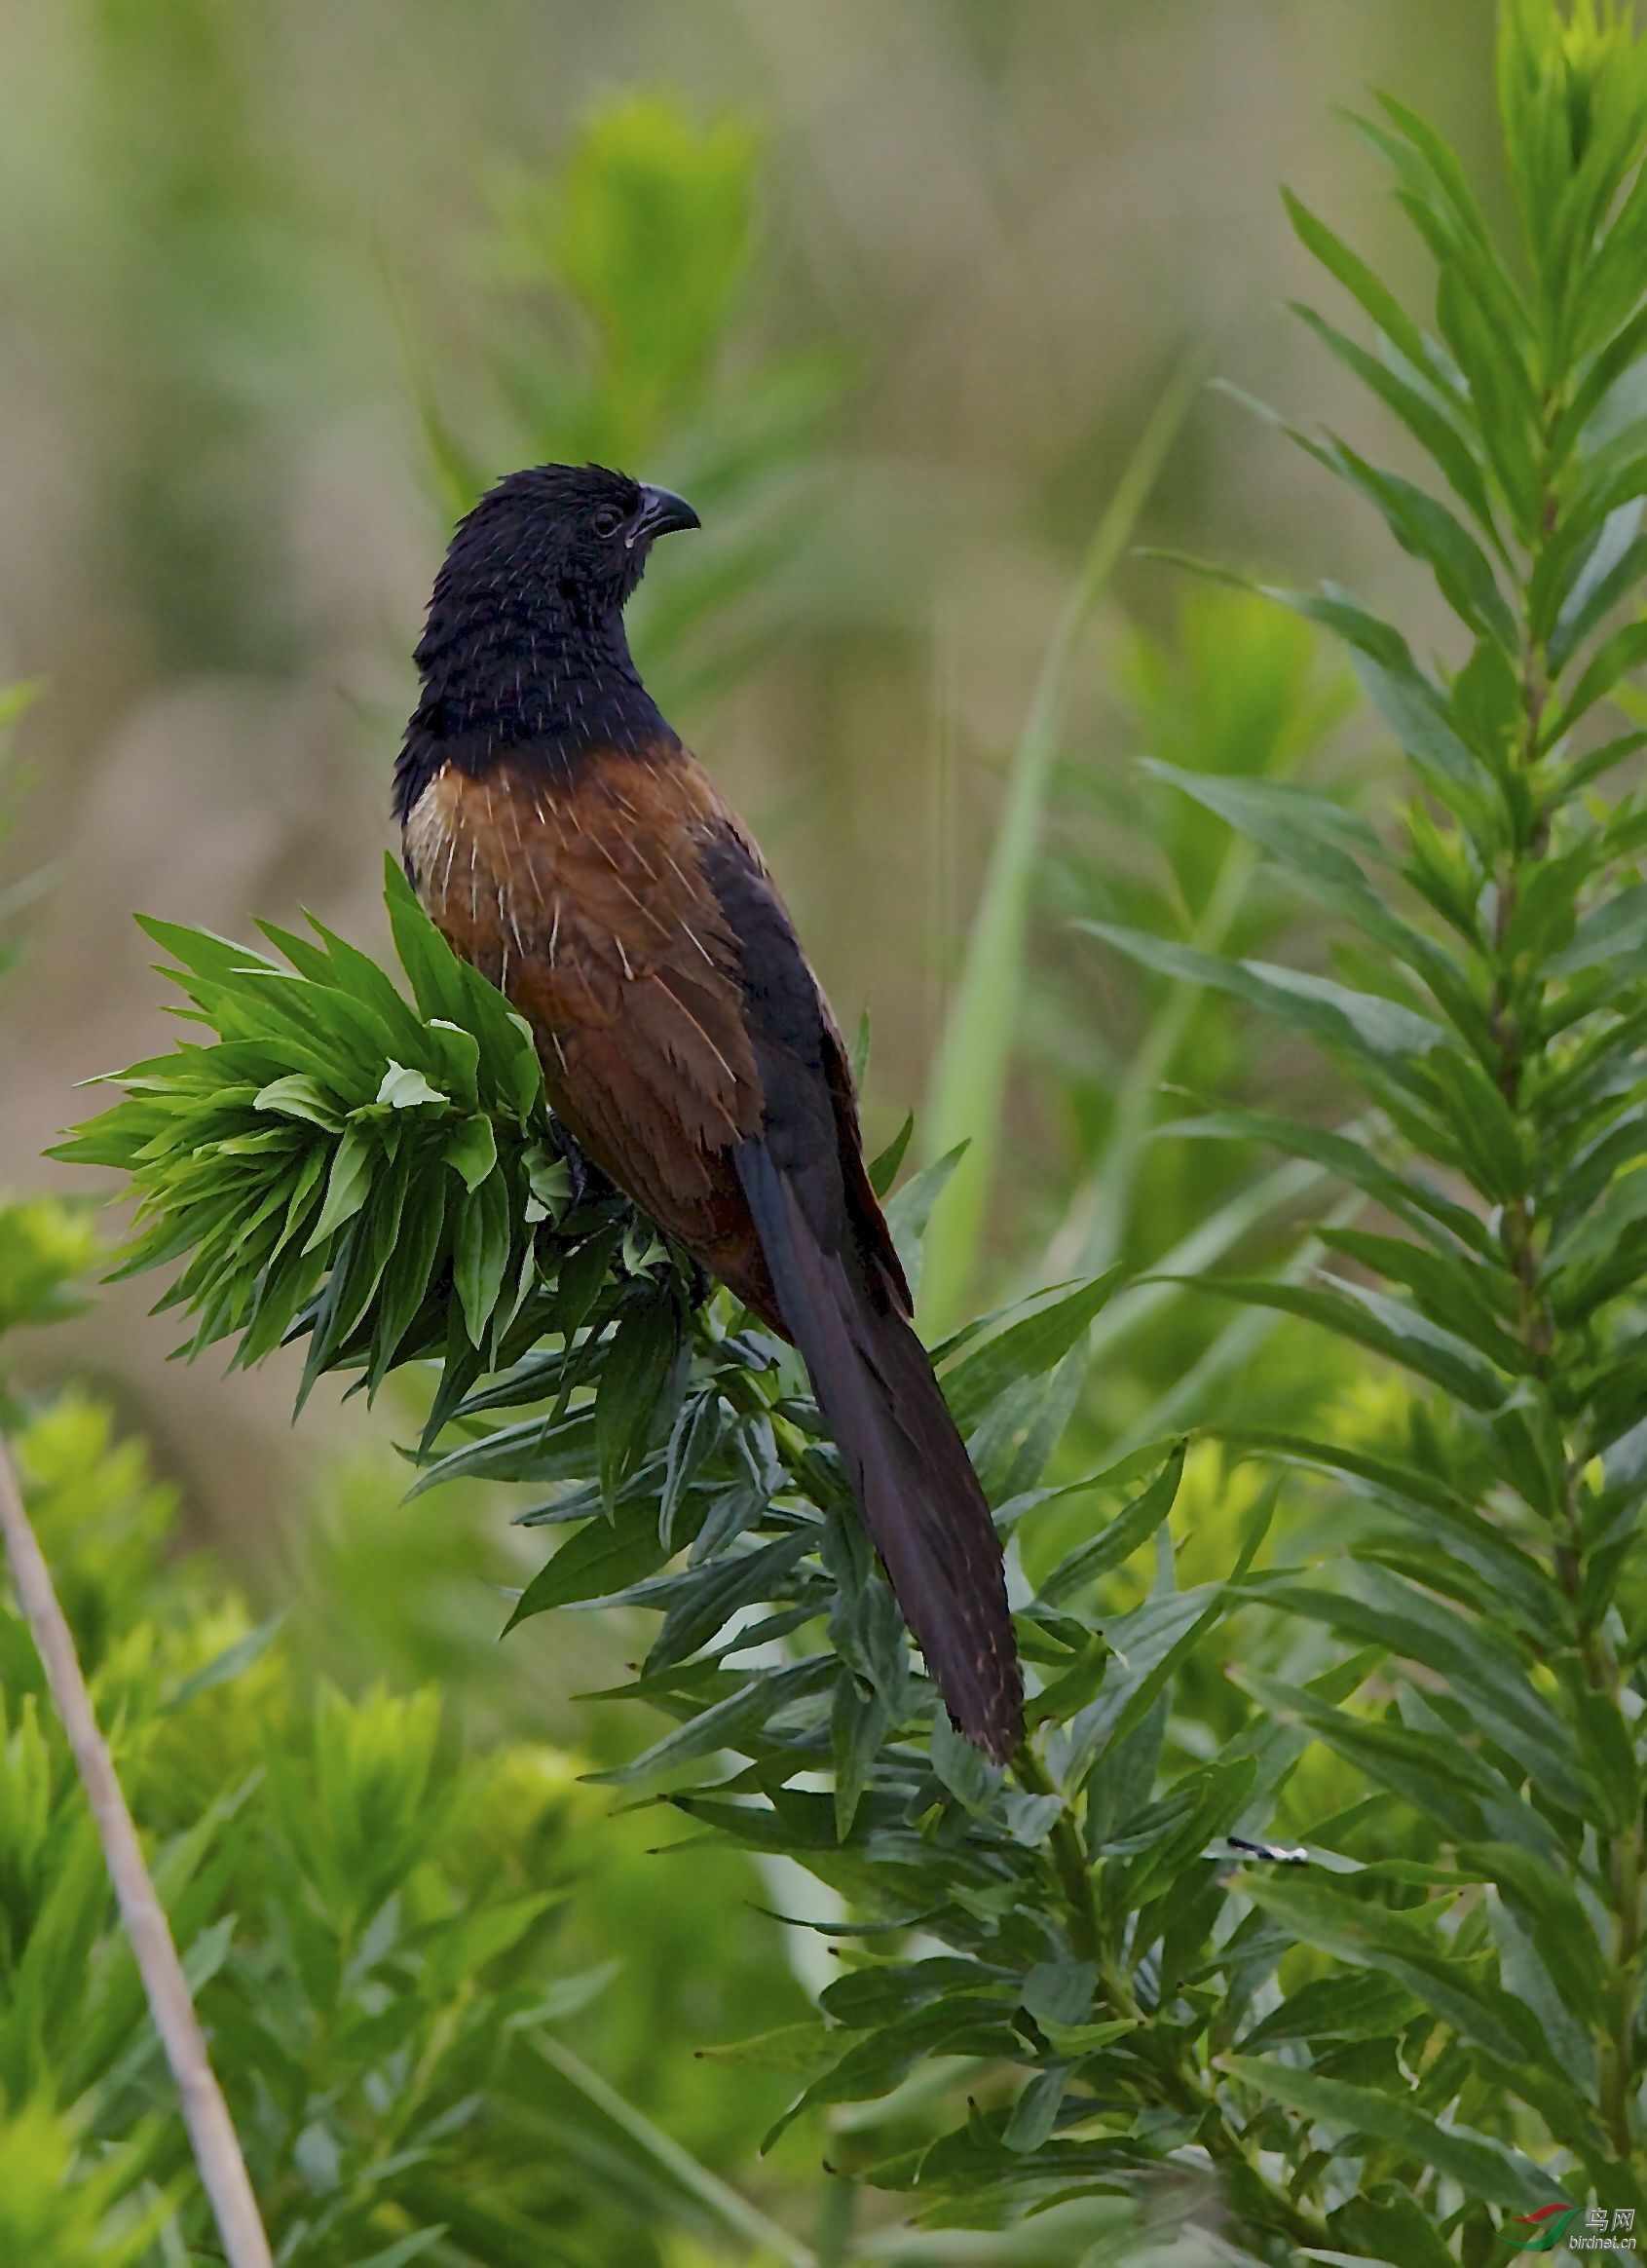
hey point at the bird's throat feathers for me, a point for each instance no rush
(524, 675)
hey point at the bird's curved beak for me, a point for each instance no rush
(661, 512)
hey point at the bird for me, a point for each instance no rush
(570, 847)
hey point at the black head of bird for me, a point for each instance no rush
(525, 637)
(578, 532)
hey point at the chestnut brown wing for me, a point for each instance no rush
(844, 1300)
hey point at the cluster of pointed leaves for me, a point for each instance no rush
(375, 1174)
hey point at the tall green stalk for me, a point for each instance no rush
(1524, 1007)
(1503, 945)
(967, 1093)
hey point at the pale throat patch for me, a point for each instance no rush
(435, 838)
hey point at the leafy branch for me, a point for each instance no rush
(336, 1127)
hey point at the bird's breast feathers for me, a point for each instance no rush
(585, 899)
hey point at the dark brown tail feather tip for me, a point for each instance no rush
(909, 1469)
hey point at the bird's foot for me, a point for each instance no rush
(576, 1164)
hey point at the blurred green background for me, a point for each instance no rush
(247, 252)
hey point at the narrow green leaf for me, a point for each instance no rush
(1557, 1918)
(1387, 1326)
(1438, 430)
(435, 974)
(408, 1274)
(347, 1185)
(1035, 2112)
(859, 1722)
(726, 1723)
(299, 1097)
(1432, 1504)
(595, 1562)
(480, 1250)
(1450, 1782)
(1626, 649)
(975, 1052)
(1424, 527)
(910, 1210)
(1363, 286)
(1359, 2006)
(884, 1168)
(1364, 1022)
(1484, 2168)
(1026, 1349)
(1614, 568)
(628, 1398)
(1292, 822)
(1370, 1935)
(1404, 1192)
(1608, 1757)
(1384, 1611)
(1064, 1696)
(1116, 1544)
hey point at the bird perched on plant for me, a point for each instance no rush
(569, 846)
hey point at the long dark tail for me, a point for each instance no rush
(908, 1466)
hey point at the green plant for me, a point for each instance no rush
(686, 1470)
(377, 1926)
(1493, 1025)
(329, 1132)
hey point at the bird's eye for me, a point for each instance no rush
(608, 520)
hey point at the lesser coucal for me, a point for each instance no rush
(570, 847)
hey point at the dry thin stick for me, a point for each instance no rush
(212, 2133)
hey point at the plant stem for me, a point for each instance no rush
(1512, 1020)
(1074, 1873)
(837, 2210)
(212, 2133)
(1182, 2086)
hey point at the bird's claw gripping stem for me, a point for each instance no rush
(576, 1164)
